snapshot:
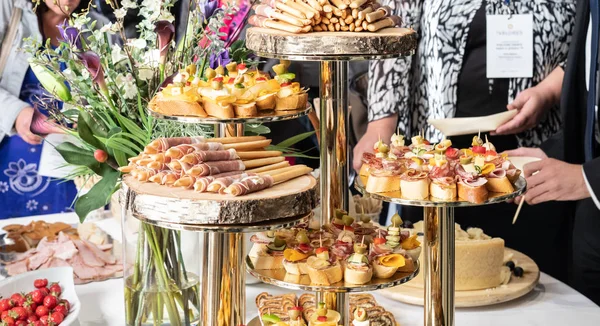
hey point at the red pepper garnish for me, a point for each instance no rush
(241, 66)
(297, 308)
(491, 153)
(426, 142)
(478, 149)
(218, 79)
(231, 80)
(322, 318)
(452, 153)
(321, 249)
(261, 79)
(379, 240)
(285, 84)
(304, 247)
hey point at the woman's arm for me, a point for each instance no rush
(533, 103)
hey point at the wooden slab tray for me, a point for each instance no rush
(388, 42)
(412, 292)
(163, 204)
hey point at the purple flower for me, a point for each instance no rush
(92, 62)
(69, 34)
(208, 8)
(219, 60)
(165, 32)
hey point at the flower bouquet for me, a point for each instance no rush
(106, 82)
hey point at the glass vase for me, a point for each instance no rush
(161, 275)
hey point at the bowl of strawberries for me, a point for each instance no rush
(39, 298)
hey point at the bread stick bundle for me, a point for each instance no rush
(162, 144)
(179, 151)
(202, 183)
(259, 182)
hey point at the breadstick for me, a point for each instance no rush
(390, 21)
(349, 20)
(306, 6)
(331, 27)
(364, 25)
(290, 10)
(327, 9)
(355, 13)
(288, 175)
(232, 140)
(326, 21)
(344, 28)
(247, 146)
(323, 2)
(352, 27)
(128, 168)
(329, 14)
(337, 26)
(250, 164)
(334, 20)
(307, 10)
(337, 12)
(258, 154)
(269, 167)
(318, 29)
(278, 171)
(324, 27)
(378, 14)
(364, 12)
(339, 4)
(358, 22)
(264, 10)
(306, 29)
(358, 29)
(357, 3)
(315, 5)
(342, 23)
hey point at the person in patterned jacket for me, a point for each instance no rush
(447, 78)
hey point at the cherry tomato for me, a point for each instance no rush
(62, 309)
(241, 66)
(379, 241)
(322, 318)
(452, 153)
(65, 302)
(56, 289)
(57, 317)
(32, 318)
(41, 311)
(50, 302)
(491, 153)
(37, 296)
(9, 321)
(6, 304)
(18, 298)
(44, 319)
(40, 283)
(285, 84)
(478, 149)
(321, 249)
(261, 79)
(218, 79)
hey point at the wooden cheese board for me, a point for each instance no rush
(154, 202)
(413, 292)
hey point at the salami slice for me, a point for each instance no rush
(209, 156)
(249, 185)
(212, 168)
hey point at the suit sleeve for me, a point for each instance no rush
(389, 80)
(591, 174)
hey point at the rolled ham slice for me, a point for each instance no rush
(212, 168)
(497, 173)
(220, 184)
(179, 151)
(209, 156)
(202, 183)
(474, 182)
(249, 185)
(162, 144)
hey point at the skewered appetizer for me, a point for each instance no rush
(324, 269)
(295, 259)
(358, 270)
(324, 316)
(303, 16)
(360, 317)
(440, 172)
(229, 166)
(229, 92)
(269, 255)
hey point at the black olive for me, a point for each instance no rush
(510, 265)
(407, 225)
(518, 271)
(421, 234)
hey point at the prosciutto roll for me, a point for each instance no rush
(160, 145)
(210, 156)
(212, 168)
(179, 151)
(202, 183)
(249, 185)
(220, 184)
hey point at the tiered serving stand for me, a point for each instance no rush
(223, 220)
(334, 50)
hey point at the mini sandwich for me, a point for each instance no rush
(290, 96)
(216, 99)
(178, 99)
(265, 92)
(358, 270)
(269, 256)
(321, 270)
(386, 266)
(497, 181)
(443, 183)
(414, 185)
(295, 259)
(472, 185)
(381, 181)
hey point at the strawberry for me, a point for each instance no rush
(40, 283)
(56, 289)
(50, 302)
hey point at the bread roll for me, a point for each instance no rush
(380, 271)
(501, 185)
(245, 110)
(324, 276)
(443, 192)
(475, 195)
(215, 110)
(358, 276)
(418, 189)
(292, 102)
(266, 102)
(296, 268)
(376, 184)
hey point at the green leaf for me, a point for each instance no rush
(120, 144)
(295, 139)
(121, 158)
(99, 195)
(257, 129)
(79, 156)
(137, 133)
(96, 125)
(87, 134)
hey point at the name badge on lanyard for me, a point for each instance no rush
(509, 51)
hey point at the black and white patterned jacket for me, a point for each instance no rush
(425, 85)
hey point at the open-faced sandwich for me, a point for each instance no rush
(324, 316)
(324, 269)
(358, 269)
(295, 259)
(267, 251)
(290, 96)
(179, 98)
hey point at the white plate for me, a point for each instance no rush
(520, 161)
(62, 275)
(468, 126)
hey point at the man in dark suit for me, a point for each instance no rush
(577, 178)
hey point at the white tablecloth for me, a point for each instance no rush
(551, 303)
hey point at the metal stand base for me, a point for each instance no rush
(438, 266)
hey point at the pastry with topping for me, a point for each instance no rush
(324, 269)
(324, 316)
(358, 270)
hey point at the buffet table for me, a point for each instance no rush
(550, 303)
